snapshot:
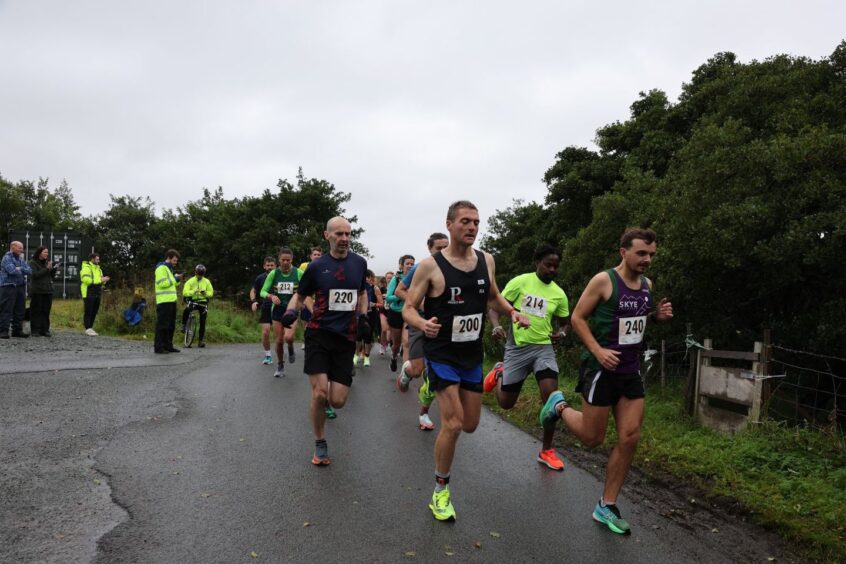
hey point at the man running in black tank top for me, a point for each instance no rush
(458, 285)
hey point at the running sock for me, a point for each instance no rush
(441, 481)
(267, 352)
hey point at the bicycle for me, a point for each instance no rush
(193, 319)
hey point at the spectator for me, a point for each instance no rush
(41, 300)
(91, 284)
(13, 272)
(197, 291)
(166, 297)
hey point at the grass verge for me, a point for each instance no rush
(225, 323)
(790, 479)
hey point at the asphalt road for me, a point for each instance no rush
(205, 457)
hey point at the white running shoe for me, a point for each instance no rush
(91, 332)
(426, 423)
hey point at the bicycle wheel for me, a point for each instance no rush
(189, 328)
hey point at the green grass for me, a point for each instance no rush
(225, 322)
(791, 479)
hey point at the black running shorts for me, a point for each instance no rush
(329, 353)
(264, 315)
(602, 388)
(395, 320)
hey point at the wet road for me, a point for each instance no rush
(206, 458)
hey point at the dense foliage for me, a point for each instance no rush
(229, 236)
(743, 178)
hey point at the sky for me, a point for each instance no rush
(408, 106)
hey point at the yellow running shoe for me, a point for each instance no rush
(441, 506)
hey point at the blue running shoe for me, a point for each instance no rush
(609, 515)
(549, 413)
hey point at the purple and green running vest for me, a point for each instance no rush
(619, 323)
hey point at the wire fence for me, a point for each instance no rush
(803, 387)
(811, 388)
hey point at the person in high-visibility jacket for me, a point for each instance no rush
(197, 291)
(166, 297)
(91, 282)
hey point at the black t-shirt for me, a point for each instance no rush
(335, 284)
(265, 303)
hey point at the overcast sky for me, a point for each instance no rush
(407, 105)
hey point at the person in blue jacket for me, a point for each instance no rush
(13, 272)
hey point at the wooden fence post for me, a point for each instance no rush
(691, 374)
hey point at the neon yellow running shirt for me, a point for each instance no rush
(539, 302)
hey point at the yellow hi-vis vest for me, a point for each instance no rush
(89, 274)
(165, 285)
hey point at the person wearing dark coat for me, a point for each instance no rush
(41, 302)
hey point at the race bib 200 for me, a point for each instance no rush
(466, 327)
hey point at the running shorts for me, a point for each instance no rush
(603, 388)
(520, 361)
(278, 312)
(329, 353)
(395, 320)
(415, 343)
(375, 325)
(264, 315)
(441, 376)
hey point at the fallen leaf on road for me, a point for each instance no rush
(253, 554)
(97, 482)
(241, 440)
(715, 530)
(495, 535)
(449, 553)
(307, 524)
(206, 495)
(477, 544)
(410, 554)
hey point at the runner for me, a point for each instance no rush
(279, 288)
(337, 281)
(266, 307)
(374, 298)
(530, 350)
(610, 318)
(458, 285)
(383, 314)
(398, 334)
(305, 314)
(414, 365)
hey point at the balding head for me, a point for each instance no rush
(338, 232)
(336, 222)
(16, 247)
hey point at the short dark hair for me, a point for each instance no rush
(455, 206)
(171, 253)
(92, 255)
(269, 259)
(369, 274)
(315, 249)
(37, 252)
(285, 251)
(403, 258)
(437, 236)
(646, 235)
(544, 251)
